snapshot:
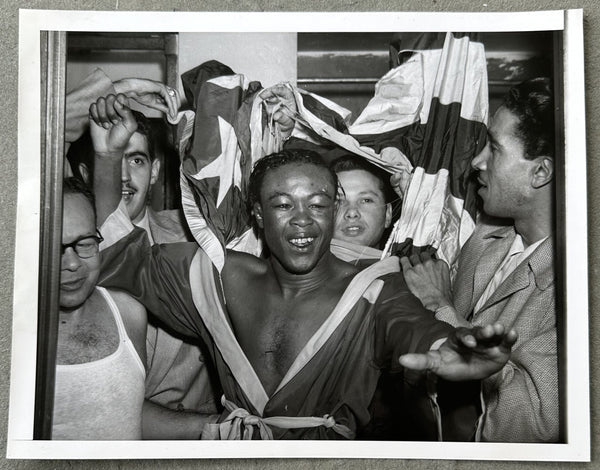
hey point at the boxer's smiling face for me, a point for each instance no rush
(296, 212)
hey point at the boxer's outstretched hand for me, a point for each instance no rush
(467, 354)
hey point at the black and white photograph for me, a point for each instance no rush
(352, 233)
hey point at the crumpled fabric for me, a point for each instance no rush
(241, 425)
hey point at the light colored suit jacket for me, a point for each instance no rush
(520, 401)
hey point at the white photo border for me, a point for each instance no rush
(20, 443)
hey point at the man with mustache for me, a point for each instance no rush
(298, 338)
(178, 385)
(506, 269)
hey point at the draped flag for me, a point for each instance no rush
(217, 157)
(440, 96)
(431, 109)
(225, 133)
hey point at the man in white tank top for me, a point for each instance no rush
(101, 353)
(178, 386)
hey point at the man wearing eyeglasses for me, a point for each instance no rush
(101, 347)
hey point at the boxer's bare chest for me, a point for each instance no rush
(272, 328)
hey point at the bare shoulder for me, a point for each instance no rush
(131, 310)
(134, 318)
(240, 266)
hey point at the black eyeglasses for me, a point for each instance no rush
(84, 247)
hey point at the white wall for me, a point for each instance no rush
(267, 57)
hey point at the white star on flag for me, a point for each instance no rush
(227, 165)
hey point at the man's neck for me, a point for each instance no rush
(72, 315)
(326, 270)
(536, 220)
(66, 314)
(533, 229)
(80, 310)
(143, 221)
(140, 216)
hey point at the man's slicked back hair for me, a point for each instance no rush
(279, 159)
(354, 162)
(144, 127)
(532, 101)
(74, 185)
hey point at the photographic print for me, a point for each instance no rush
(358, 234)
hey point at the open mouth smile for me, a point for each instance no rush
(127, 193)
(301, 242)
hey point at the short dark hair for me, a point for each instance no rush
(279, 159)
(144, 127)
(74, 185)
(354, 162)
(82, 150)
(532, 101)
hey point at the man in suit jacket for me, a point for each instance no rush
(506, 269)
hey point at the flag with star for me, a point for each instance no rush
(216, 157)
(431, 108)
(224, 134)
(226, 131)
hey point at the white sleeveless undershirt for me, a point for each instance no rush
(101, 400)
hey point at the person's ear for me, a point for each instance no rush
(258, 215)
(84, 171)
(388, 215)
(543, 171)
(155, 171)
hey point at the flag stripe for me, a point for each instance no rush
(446, 130)
(432, 217)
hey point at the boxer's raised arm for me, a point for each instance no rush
(111, 126)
